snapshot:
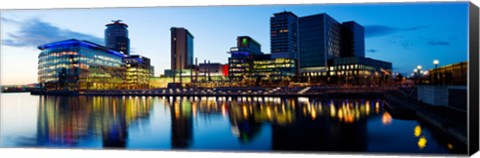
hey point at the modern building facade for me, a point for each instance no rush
(320, 40)
(213, 69)
(240, 63)
(116, 37)
(284, 35)
(138, 72)
(353, 39)
(268, 69)
(352, 70)
(80, 65)
(181, 48)
(248, 44)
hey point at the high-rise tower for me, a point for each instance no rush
(116, 37)
(181, 48)
(284, 35)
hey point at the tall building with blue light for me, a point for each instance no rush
(240, 63)
(116, 37)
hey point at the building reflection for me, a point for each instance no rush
(306, 124)
(182, 122)
(66, 121)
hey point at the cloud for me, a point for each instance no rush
(382, 30)
(438, 43)
(371, 50)
(8, 20)
(35, 32)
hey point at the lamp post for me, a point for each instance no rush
(415, 75)
(435, 62)
(419, 70)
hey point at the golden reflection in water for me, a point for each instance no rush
(422, 142)
(386, 118)
(449, 146)
(417, 131)
(332, 109)
(314, 114)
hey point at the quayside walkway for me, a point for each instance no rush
(312, 91)
(447, 121)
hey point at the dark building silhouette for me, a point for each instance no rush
(181, 48)
(182, 123)
(353, 39)
(116, 37)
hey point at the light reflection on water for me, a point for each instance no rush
(211, 123)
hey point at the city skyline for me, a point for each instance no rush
(407, 42)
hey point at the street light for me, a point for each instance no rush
(435, 62)
(419, 70)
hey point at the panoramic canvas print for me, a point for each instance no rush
(356, 78)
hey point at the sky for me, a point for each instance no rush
(406, 34)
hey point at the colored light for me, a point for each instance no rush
(244, 41)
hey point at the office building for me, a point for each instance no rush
(268, 69)
(240, 62)
(80, 65)
(320, 40)
(207, 70)
(284, 35)
(138, 72)
(248, 44)
(352, 70)
(181, 48)
(116, 37)
(353, 39)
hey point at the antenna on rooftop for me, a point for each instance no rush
(116, 21)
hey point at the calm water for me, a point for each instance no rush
(159, 123)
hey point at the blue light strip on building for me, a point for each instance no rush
(74, 42)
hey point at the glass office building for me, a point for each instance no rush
(116, 37)
(353, 70)
(138, 72)
(240, 62)
(353, 39)
(80, 65)
(181, 48)
(267, 68)
(320, 37)
(284, 35)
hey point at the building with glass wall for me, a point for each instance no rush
(351, 70)
(353, 39)
(80, 65)
(181, 48)
(138, 72)
(320, 40)
(284, 35)
(241, 58)
(268, 69)
(116, 37)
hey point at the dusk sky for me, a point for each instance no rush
(406, 34)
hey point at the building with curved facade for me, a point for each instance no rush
(116, 37)
(80, 65)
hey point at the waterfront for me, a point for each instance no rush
(250, 124)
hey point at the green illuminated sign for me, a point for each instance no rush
(244, 41)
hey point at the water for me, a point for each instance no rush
(252, 124)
